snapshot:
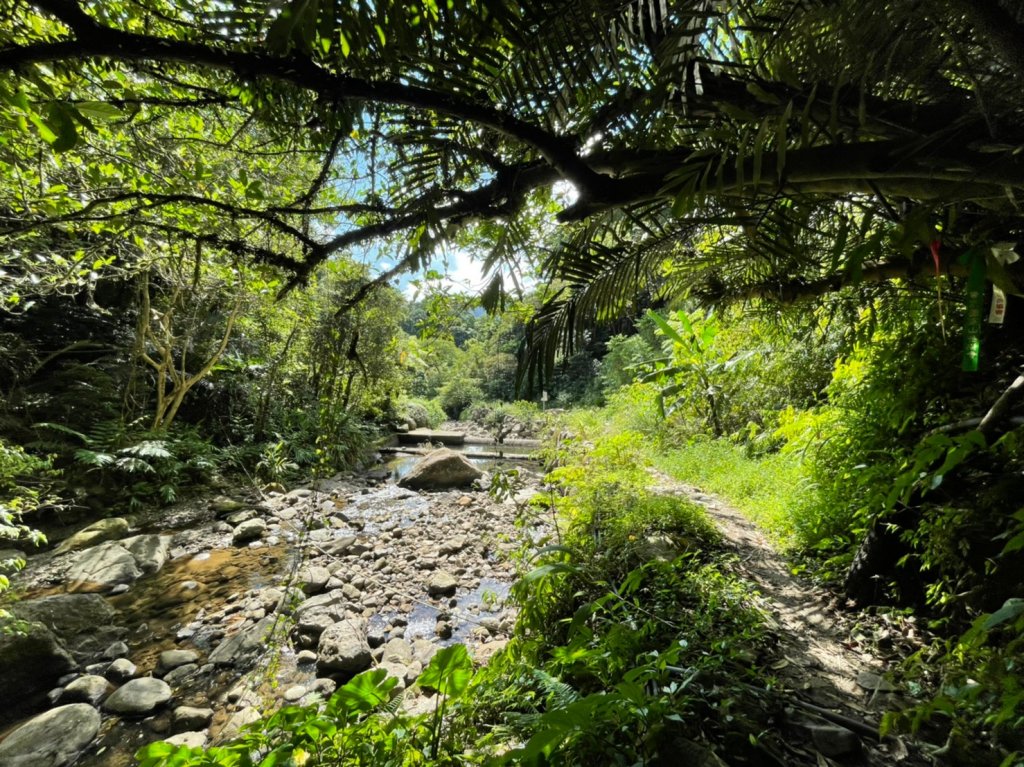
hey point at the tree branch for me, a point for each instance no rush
(94, 40)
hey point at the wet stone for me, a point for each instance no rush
(138, 697)
(441, 584)
(180, 674)
(52, 739)
(89, 688)
(187, 718)
(114, 651)
(248, 531)
(172, 659)
(121, 670)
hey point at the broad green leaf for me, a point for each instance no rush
(1011, 610)
(449, 671)
(366, 691)
(99, 110)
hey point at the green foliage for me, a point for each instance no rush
(424, 413)
(696, 373)
(977, 683)
(623, 358)
(361, 724)
(275, 464)
(633, 596)
(129, 465)
(772, 490)
(458, 394)
(25, 484)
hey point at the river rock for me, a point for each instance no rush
(111, 564)
(241, 718)
(102, 530)
(439, 470)
(313, 579)
(187, 718)
(32, 660)
(172, 659)
(238, 648)
(121, 670)
(149, 551)
(442, 584)
(398, 651)
(224, 505)
(89, 688)
(180, 674)
(138, 697)
(332, 603)
(398, 672)
(190, 739)
(103, 567)
(85, 623)
(339, 545)
(343, 647)
(453, 545)
(52, 739)
(115, 650)
(249, 530)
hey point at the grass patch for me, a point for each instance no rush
(772, 490)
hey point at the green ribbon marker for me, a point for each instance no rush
(975, 308)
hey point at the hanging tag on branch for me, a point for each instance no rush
(1001, 255)
(997, 312)
(975, 309)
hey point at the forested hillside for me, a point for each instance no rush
(730, 259)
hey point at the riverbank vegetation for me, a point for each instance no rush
(767, 249)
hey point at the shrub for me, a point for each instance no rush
(422, 412)
(458, 394)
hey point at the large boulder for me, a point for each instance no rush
(102, 530)
(440, 470)
(85, 623)
(110, 564)
(343, 647)
(32, 659)
(138, 697)
(52, 739)
(149, 551)
(103, 567)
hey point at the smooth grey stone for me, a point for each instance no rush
(52, 739)
(138, 697)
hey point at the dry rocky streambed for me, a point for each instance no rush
(186, 623)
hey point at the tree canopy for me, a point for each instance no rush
(767, 148)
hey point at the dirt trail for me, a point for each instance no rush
(827, 658)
